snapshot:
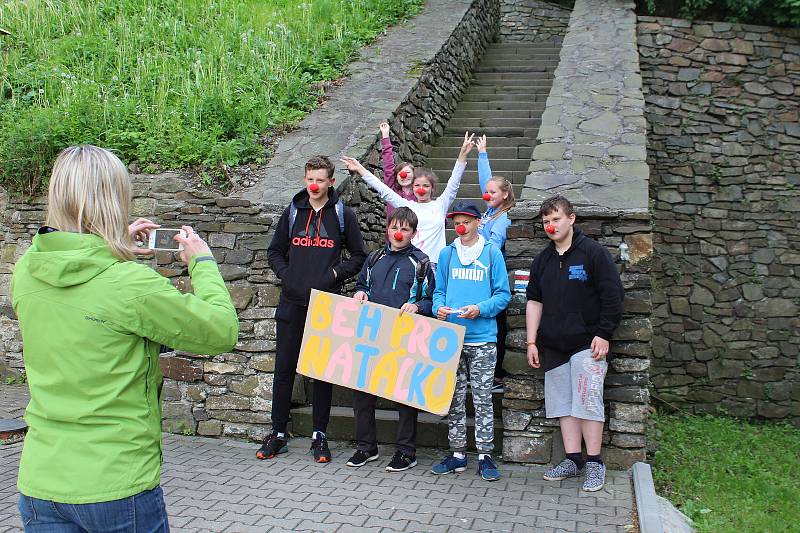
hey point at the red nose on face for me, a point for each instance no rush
(403, 174)
(398, 235)
(461, 229)
(420, 191)
(550, 229)
(313, 187)
(486, 197)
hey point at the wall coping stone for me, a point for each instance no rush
(592, 145)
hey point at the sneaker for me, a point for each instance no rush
(272, 446)
(401, 462)
(487, 469)
(449, 465)
(563, 470)
(322, 454)
(360, 458)
(595, 476)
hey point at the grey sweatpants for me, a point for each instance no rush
(476, 363)
(576, 388)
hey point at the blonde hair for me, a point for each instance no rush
(90, 192)
(505, 186)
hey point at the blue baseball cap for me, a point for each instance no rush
(464, 208)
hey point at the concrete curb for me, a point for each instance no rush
(646, 502)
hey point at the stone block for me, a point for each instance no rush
(221, 368)
(209, 428)
(263, 363)
(515, 420)
(241, 295)
(177, 417)
(526, 389)
(227, 402)
(180, 368)
(521, 449)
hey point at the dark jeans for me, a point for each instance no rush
(141, 513)
(502, 331)
(366, 429)
(290, 321)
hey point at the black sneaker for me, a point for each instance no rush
(272, 446)
(360, 458)
(401, 462)
(319, 445)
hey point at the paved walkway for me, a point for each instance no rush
(215, 485)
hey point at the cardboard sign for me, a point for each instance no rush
(408, 358)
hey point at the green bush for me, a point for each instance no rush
(168, 83)
(766, 12)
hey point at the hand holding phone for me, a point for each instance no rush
(164, 239)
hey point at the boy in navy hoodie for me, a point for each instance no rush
(399, 275)
(471, 289)
(574, 305)
(306, 253)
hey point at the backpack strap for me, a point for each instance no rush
(372, 258)
(339, 214)
(422, 272)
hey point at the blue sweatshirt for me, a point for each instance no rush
(483, 283)
(493, 231)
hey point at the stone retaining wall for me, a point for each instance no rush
(230, 394)
(532, 21)
(592, 150)
(723, 140)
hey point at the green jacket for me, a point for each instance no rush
(92, 326)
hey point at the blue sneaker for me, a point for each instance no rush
(450, 464)
(487, 469)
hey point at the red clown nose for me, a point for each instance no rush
(403, 174)
(461, 229)
(313, 187)
(550, 229)
(398, 235)
(486, 197)
(420, 191)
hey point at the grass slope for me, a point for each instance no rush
(171, 83)
(729, 475)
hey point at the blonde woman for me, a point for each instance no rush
(92, 322)
(499, 197)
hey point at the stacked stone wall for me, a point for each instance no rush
(723, 139)
(532, 21)
(231, 394)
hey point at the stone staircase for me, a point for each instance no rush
(505, 102)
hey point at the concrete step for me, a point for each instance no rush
(494, 122)
(471, 176)
(513, 61)
(501, 104)
(534, 94)
(498, 165)
(495, 131)
(501, 152)
(513, 76)
(523, 66)
(431, 429)
(528, 98)
(494, 142)
(512, 87)
(495, 113)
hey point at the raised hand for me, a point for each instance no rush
(384, 126)
(353, 165)
(466, 147)
(192, 244)
(481, 144)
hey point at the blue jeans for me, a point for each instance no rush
(141, 513)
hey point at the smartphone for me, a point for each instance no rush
(457, 311)
(162, 239)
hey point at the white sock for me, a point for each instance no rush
(281, 435)
(317, 434)
(459, 455)
(482, 456)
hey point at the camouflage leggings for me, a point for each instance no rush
(477, 363)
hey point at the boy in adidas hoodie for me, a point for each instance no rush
(308, 255)
(471, 289)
